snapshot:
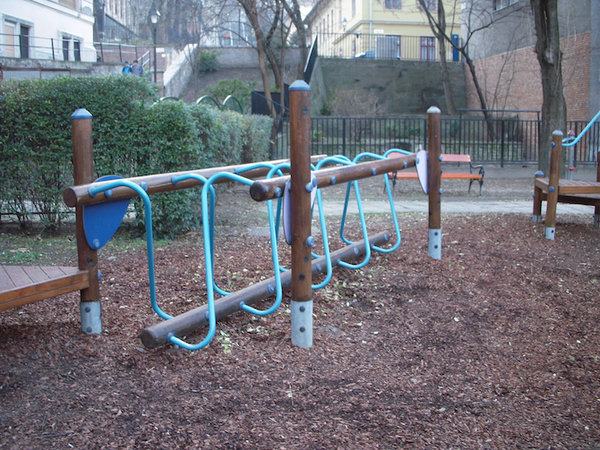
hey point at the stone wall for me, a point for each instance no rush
(15, 68)
(399, 87)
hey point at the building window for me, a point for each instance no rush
(69, 3)
(353, 8)
(427, 48)
(393, 4)
(24, 41)
(388, 47)
(9, 47)
(500, 4)
(66, 44)
(15, 39)
(77, 50)
(430, 4)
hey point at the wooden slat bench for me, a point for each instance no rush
(20, 285)
(476, 172)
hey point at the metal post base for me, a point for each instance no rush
(435, 243)
(536, 219)
(91, 317)
(549, 232)
(302, 323)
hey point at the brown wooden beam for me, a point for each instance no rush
(190, 321)
(79, 195)
(262, 190)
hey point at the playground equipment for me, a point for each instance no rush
(230, 102)
(106, 199)
(553, 190)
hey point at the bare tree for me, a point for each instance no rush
(292, 7)
(474, 19)
(439, 31)
(547, 48)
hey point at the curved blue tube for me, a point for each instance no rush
(363, 225)
(208, 265)
(390, 198)
(570, 141)
(397, 150)
(93, 191)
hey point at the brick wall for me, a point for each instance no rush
(512, 80)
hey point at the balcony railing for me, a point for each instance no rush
(381, 46)
(35, 47)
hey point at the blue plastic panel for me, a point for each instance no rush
(101, 220)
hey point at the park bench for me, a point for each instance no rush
(476, 172)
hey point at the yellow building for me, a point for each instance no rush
(384, 29)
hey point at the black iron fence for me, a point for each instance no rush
(381, 46)
(497, 141)
(26, 46)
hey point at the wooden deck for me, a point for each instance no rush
(20, 285)
(571, 187)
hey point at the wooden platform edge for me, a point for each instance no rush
(31, 293)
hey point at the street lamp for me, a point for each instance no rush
(154, 19)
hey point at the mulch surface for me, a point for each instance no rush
(496, 345)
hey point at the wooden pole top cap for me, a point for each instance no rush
(81, 113)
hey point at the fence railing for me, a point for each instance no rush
(498, 141)
(380, 46)
(36, 47)
(71, 49)
(118, 52)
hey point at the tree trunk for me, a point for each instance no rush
(251, 11)
(293, 11)
(480, 95)
(450, 108)
(549, 55)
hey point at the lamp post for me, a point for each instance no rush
(154, 19)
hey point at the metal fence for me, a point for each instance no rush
(27, 46)
(380, 46)
(498, 141)
(70, 49)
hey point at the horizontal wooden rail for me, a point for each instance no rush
(194, 319)
(268, 189)
(79, 195)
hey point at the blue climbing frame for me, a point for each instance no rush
(366, 164)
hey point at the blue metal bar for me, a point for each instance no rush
(390, 197)
(363, 225)
(570, 141)
(93, 191)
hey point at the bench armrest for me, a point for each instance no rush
(478, 166)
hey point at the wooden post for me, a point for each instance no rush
(301, 187)
(553, 180)
(537, 200)
(434, 181)
(83, 173)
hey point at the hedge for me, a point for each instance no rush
(133, 135)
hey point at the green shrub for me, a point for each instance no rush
(132, 136)
(241, 90)
(206, 61)
(35, 135)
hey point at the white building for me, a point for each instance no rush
(60, 30)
